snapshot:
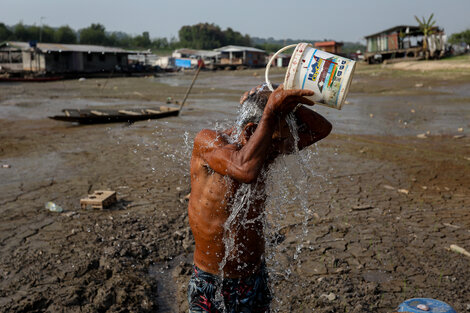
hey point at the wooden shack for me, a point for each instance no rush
(329, 46)
(404, 41)
(239, 56)
(281, 60)
(53, 58)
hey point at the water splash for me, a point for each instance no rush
(289, 183)
(251, 110)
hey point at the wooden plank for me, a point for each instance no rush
(98, 113)
(100, 199)
(153, 111)
(128, 112)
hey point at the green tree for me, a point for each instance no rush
(462, 37)
(269, 47)
(160, 43)
(46, 34)
(142, 41)
(21, 32)
(426, 27)
(201, 36)
(5, 33)
(65, 34)
(210, 36)
(93, 35)
(120, 39)
(236, 38)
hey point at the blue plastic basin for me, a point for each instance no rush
(435, 306)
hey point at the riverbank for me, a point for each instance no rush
(390, 197)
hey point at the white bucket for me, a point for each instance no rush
(328, 75)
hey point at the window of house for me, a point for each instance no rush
(102, 57)
(89, 57)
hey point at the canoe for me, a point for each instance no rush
(95, 116)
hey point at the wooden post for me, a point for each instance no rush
(200, 64)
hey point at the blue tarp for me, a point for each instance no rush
(183, 63)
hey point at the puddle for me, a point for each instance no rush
(376, 114)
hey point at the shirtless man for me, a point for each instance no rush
(221, 163)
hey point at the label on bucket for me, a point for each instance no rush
(324, 72)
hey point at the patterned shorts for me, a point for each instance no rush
(209, 293)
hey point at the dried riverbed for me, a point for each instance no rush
(392, 194)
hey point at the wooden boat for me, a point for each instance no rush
(86, 116)
(35, 79)
(129, 116)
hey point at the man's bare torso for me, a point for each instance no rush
(211, 203)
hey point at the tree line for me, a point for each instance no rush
(459, 38)
(95, 34)
(199, 36)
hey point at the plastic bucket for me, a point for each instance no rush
(328, 75)
(432, 306)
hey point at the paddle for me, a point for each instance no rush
(200, 64)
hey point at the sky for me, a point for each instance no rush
(341, 20)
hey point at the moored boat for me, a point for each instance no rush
(94, 116)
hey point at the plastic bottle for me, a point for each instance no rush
(51, 206)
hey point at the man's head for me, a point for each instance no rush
(252, 106)
(249, 115)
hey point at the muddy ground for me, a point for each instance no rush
(392, 194)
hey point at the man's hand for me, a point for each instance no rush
(261, 90)
(249, 93)
(281, 102)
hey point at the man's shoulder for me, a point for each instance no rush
(209, 138)
(205, 134)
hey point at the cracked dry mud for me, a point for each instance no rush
(368, 247)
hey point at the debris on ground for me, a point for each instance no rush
(100, 199)
(460, 250)
(362, 207)
(330, 297)
(51, 206)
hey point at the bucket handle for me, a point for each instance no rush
(266, 74)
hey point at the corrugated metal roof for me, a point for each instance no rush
(411, 28)
(208, 53)
(238, 49)
(46, 47)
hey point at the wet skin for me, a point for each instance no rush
(218, 168)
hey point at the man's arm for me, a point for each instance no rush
(244, 164)
(312, 127)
